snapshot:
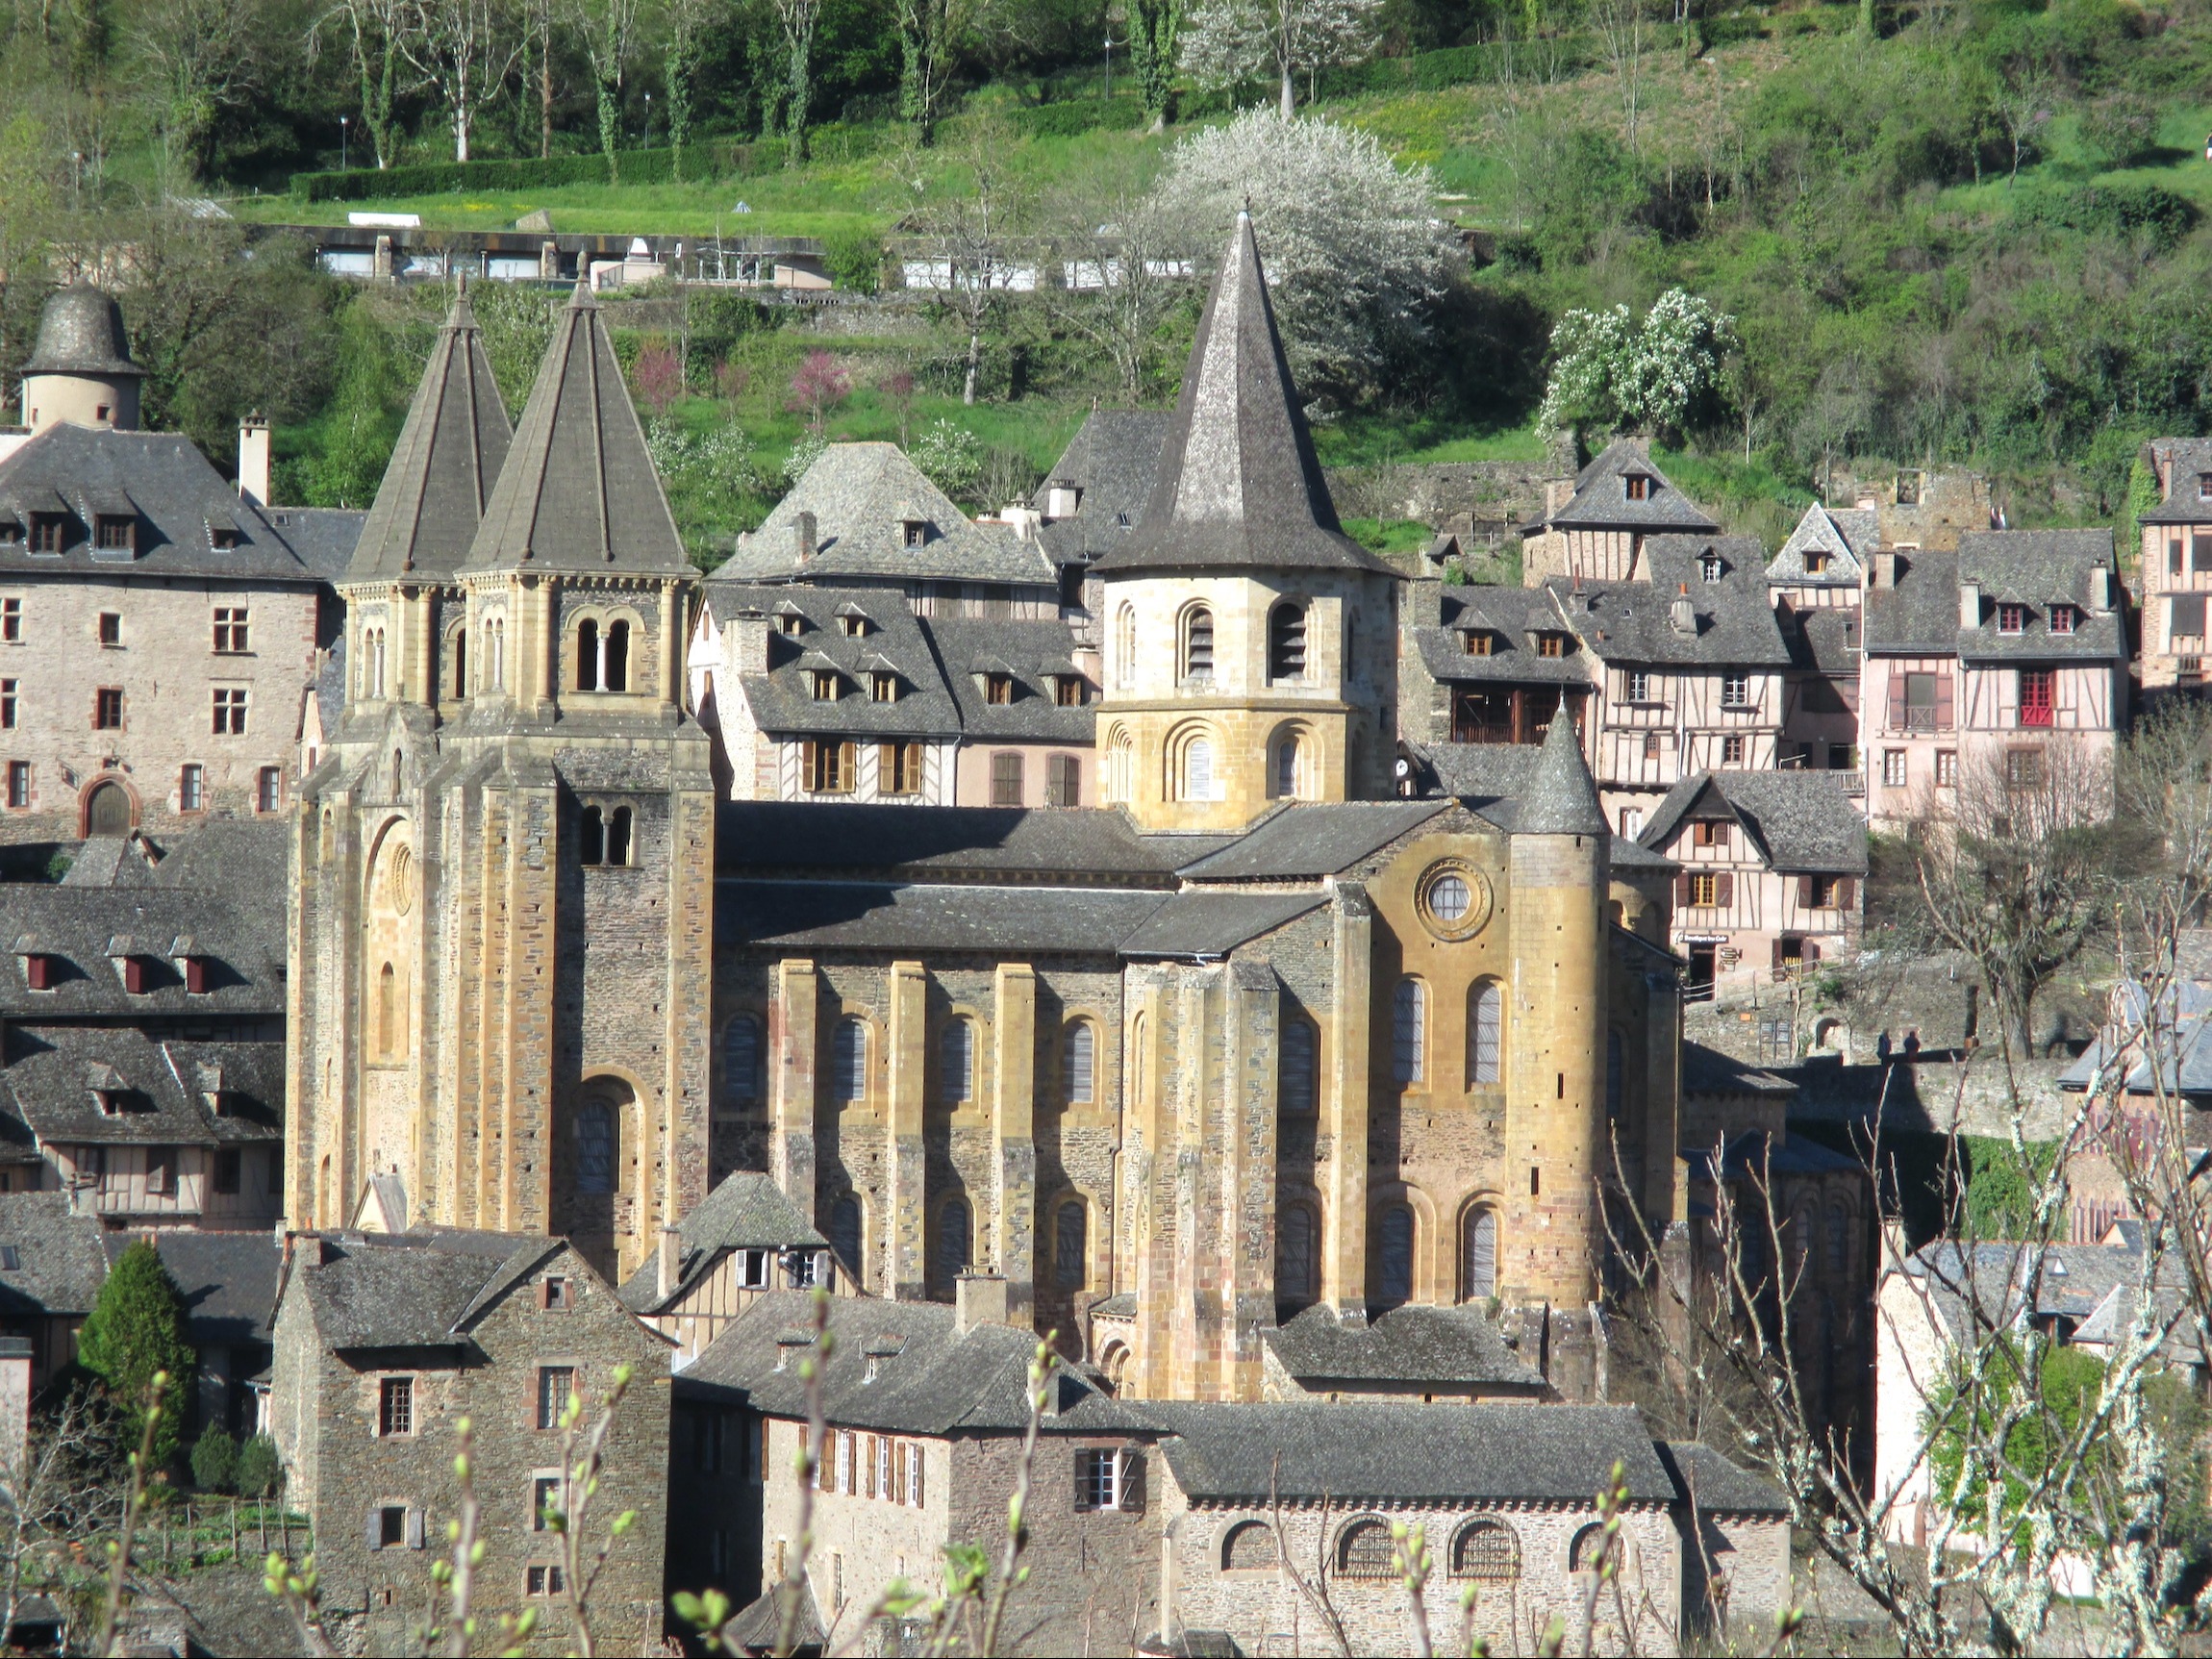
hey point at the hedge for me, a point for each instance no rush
(1080, 115)
(657, 166)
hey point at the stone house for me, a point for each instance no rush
(2000, 666)
(51, 1265)
(1596, 526)
(1919, 509)
(2175, 574)
(1771, 872)
(159, 627)
(383, 1343)
(745, 1241)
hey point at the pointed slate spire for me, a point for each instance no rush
(1239, 486)
(579, 492)
(449, 454)
(1561, 797)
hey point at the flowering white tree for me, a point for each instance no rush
(1226, 42)
(1610, 370)
(1355, 262)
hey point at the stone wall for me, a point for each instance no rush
(1456, 494)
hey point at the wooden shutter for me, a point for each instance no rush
(1812, 954)
(1682, 888)
(415, 1529)
(1896, 699)
(1846, 890)
(1778, 956)
(1083, 1478)
(376, 1527)
(1805, 892)
(1132, 1481)
(1943, 703)
(914, 1465)
(1724, 885)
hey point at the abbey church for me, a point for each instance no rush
(1259, 1050)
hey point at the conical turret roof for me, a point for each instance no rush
(449, 455)
(1562, 796)
(80, 332)
(579, 492)
(1239, 487)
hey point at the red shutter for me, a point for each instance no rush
(1846, 890)
(1778, 956)
(1726, 895)
(1896, 699)
(1942, 704)
(1682, 890)
(1805, 892)
(1812, 951)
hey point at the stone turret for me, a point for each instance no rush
(80, 371)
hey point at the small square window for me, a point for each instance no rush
(2062, 618)
(12, 621)
(191, 788)
(1704, 889)
(230, 711)
(48, 531)
(1894, 768)
(1480, 642)
(231, 626)
(1735, 690)
(107, 709)
(1067, 691)
(1098, 1480)
(391, 1526)
(1636, 487)
(1947, 769)
(1732, 750)
(2011, 618)
(1710, 832)
(114, 533)
(999, 690)
(1639, 686)
(1816, 564)
(1550, 644)
(825, 685)
(559, 1295)
(544, 1580)
(111, 628)
(882, 687)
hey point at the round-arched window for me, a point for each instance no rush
(1393, 1268)
(1287, 642)
(1249, 1548)
(1070, 1245)
(1485, 1032)
(1080, 1062)
(595, 1147)
(1480, 1254)
(1197, 644)
(1294, 1253)
(848, 1061)
(742, 1060)
(956, 1062)
(1296, 1071)
(1199, 770)
(1486, 1551)
(844, 1232)
(1588, 1552)
(1363, 1550)
(1409, 1030)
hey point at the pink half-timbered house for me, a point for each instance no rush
(2176, 574)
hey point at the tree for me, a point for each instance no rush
(461, 48)
(1609, 370)
(797, 20)
(686, 22)
(1155, 32)
(372, 31)
(195, 59)
(608, 29)
(1226, 42)
(821, 383)
(975, 232)
(1128, 276)
(951, 456)
(929, 31)
(214, 1459)
(657, 377)
(136, 1327)
(1356, 262)
(260, 1470)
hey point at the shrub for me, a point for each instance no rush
(214, 1459)
(136, 1328)
(2122, 129)
(855, 260)
(804, 454)
(658, 376)
(259, 1470)
(436, 178)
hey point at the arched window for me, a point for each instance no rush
(592, 837)
(498, 626)
(1294, 1253)
(387, 1012)
(1616, 1073)
(1125, 646)
(1199, 770)
(376, 664)
(1286, 769)
(1589, 1549)
(1197, 644)
(1249, 1548)
(615, 674)
(1295, 1066)
(595, 1147)
(1485, 1032)
(1363, 1550)
(1487, 1551)
(845, 1233)
(1140, 1061)
(848, 1061)
(955, 1242)
(1121, 763)
(1071, 1246)
(742, 1060)
(1409, 1030)
(618, 836)
(459, 664)
(1287, 642)
(956, 1062)
(1079, 1062)
(1479, 1257)
(586, 654)
(397, 762)
(1393, 1265)
(1839, 1240)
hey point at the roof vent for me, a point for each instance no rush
(1682, 613)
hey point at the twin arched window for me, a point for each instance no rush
(372, 663)
(1409, 1031)
(495, 653)
(1197, 644)
(1287, 642)
(1079, 1063)
(1485, 1032)
(956, 1062)
(1297, 1067)
(742, 1060)
(848, 1061)
(602, 657)
(603, 836)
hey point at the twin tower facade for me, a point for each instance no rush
(1254, 1039)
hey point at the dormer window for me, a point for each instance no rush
(109, 1100)
(1816, 564)
(1711, 568)
(913, 532)
(823, 682)
(1067, 691)
(1636, 487)
(38, 971)
(789, 620)
(853, 622)
(114, 533)
(883, 687)
(2062, 618)
(223, 536)
(1480, 641)
(194, 968)
(999, 690)
(48, 531)
(11, 531)
(2011, 618)
(2204, 487)
(1550, 644)
(132, 971)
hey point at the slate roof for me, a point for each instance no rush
(1825, 639)
(80, 332)
(1512, 617)
(1799, 821)
(229, 1279)
(946, 844)
(442, 469)
(747, 1212)
(1847, 535)
(323, 537)
(175, 498)
(60, 1264)
(1561, 797)
(782, 700)
(1988, 1288)
(1114, 459)
(906, 916)
(79, 927)
(1600, 498)
(1634, 621)
(2178, 1056)
(1239, 486)
(1201, 925)
(1919, 615)
(157, 1088)
(2189, 458)
(240, 861)
(1032, 652)
(863, 495)
(578, 491)
(1307, 839)
(2038, 568)
(1713, 1072)
(1717, 1486)
(2114, 1317)
(407, 1290)
(1357, 1453)
(1414, 1345)
(930, 1378)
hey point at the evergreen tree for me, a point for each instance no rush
(214, 1459)
(136, 1329)
(259, 1470)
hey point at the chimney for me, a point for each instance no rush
(1557, 493)
(803, 537)
(1970, 604)
(671, 1261)
(980, 1300)
(1061, 500)
(749, 649)
(2101, 590)
(1682, 613)
(253, 459)
(1885, 570)
(15, 1404)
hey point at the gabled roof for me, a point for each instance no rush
(2185, 461)
(2039, 568)
(1847, 535)
(578, 491)
(863, 496)
(59, 1263)
(1307, 839)
(1114, 460)
(1716, 1486)
(874, 917)
(408, 1290)
(1031, 653)
(1510, 616)
(1412, 1345)
(1733, 618)
(864, 841)
(782, 700)
(441, 473)
(1799, 821)
(1601, 499)
(747, 1212)
(1239, 485)
(158, 1090)
(229, 1280)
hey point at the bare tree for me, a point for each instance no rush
(372, 31)
(1124, 272)
(609, 31)
(929, 32)
(977, 237)
(464, 49)
(1624, 25)
(195, 59)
